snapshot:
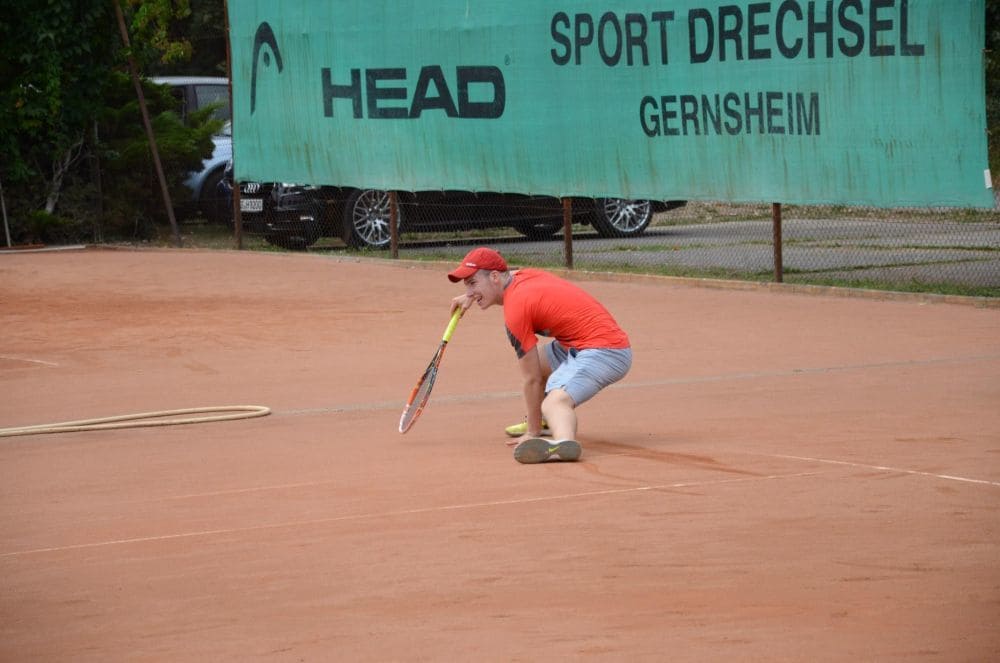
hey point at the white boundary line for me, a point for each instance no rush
(238, 491)
(884, 468)
(33, 361)
(406, 512)
(42, 249)
(667, 382)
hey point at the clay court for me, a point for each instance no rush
(784, 475)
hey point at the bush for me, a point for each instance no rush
(40, 227)
(132, 196)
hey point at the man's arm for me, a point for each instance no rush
(534, 390)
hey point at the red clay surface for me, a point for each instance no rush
(781, 477)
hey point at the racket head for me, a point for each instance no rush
(419, 397)
(422, 392)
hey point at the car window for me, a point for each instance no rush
(213, 94)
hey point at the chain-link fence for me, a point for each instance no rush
(933, 250)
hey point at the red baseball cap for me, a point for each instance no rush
(476, 259)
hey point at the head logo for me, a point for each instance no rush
(264, 36)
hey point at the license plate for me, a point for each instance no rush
(251, 204)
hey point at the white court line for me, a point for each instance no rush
(32, 361)
(238, 491)
(884, 468)
(454, 399)
(312, 484)
(407, 512)
(44, 249)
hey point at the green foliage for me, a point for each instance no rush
(68, 114)
(152, 32)
(131, 188)
(205, 30)
(40, 227)
(53, 63)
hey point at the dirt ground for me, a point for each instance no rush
(781, 477)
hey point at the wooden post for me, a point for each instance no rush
(6, 226)
(149, 127)
(568, 231)
(779, 269)
(394, 224)
(237, 212)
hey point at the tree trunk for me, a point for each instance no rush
(60, 167)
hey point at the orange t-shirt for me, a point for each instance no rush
(537, 302)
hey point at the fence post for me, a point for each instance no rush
(393, 225)
(237, 212)
(776, 224)
(568, 231)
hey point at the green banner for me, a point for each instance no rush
(870, 102)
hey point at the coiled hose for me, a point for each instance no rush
(144, 419)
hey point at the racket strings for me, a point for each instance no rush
(419, 398)
(422, 392)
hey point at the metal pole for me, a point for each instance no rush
(568, 231)
(776, 224)
(393, 224)
(149, 127)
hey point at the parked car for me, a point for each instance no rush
(204, 183)
(287, 215)
(295, 216)
(193, 93)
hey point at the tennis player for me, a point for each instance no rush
(589, 350)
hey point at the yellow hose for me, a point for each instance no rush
(136, 420)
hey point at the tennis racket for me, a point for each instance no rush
(422, 392)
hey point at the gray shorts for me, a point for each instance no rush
(583, 373)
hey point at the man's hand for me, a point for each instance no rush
(461, 302)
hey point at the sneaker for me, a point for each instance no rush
(517, 430)
(537, 450)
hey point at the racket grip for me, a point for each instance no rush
(455, 317)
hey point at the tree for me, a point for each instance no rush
(59, 62)
(124, 150)
(205, 28)
(54, 61)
